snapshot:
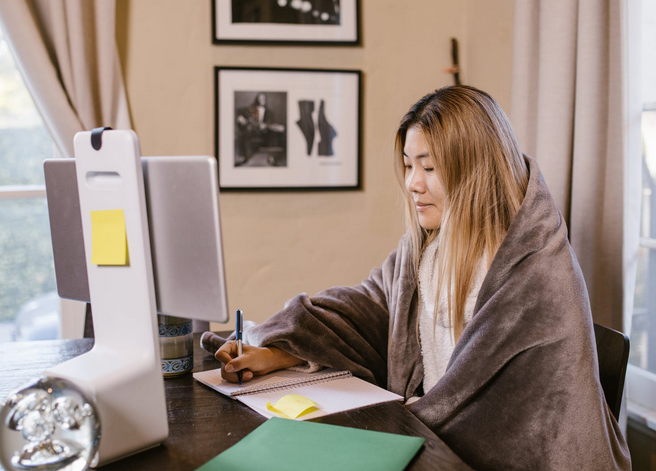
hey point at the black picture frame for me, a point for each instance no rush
(304, 134)
(264, 22)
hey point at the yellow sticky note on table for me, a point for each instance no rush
(109, 240)
(292, 406)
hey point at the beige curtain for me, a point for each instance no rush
(573, 110)
(66, 51)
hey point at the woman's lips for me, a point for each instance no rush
(422, 206)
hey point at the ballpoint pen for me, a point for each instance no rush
(239, 329)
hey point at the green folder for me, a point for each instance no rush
(287, 445)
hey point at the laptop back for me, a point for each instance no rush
(185, 234)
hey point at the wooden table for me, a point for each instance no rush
(202, 422)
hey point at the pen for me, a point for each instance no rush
(239, 329)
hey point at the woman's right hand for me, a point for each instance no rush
(254, 361)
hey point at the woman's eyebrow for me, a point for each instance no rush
(420, 156)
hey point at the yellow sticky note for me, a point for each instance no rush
(109, 240)
(292, 406)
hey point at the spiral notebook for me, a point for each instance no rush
(332, 390)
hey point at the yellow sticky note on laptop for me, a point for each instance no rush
(292, 406)
(109, 240)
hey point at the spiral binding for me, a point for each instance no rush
(292, 383)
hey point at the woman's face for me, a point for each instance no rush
(422, 181)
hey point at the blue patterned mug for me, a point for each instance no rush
(176, 344)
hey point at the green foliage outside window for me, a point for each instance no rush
(26, 266)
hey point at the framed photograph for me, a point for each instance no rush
(282, 129)
(311, 22)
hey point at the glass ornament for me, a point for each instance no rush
(47, 425)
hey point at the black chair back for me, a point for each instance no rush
(613, 356)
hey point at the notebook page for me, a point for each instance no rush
(213, 379)
(331, 397)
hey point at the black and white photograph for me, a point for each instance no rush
(316, 22)
(287, 128)
(293, 12)
(260, 129)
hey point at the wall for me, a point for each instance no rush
(279, 244)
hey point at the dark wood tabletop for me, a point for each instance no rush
(202, 422)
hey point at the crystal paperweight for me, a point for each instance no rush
(48, 424)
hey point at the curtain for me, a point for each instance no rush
(574, 111)
(66, 52)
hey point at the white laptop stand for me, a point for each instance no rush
(122, 373)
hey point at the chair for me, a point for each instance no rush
(613, 356)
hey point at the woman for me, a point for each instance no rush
(480, 318)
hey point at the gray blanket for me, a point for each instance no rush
(522, 388)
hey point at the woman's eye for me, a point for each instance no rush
(428, 169)
(408, 167)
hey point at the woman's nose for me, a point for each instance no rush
(415, 183)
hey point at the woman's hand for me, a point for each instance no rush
(254, 361)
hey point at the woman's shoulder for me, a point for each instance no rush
(403, 254)
(405, 243)
(403, 249)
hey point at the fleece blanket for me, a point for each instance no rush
(521, 390)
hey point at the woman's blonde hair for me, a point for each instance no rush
(477, 158)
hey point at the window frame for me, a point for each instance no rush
(8, 192)
(641, 383)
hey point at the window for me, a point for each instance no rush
(29, 305)
(641, 374)
(643, 330)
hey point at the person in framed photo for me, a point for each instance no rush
(480, 318)
(259, 130)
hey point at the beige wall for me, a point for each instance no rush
(279, 244)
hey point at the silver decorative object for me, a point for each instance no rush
(48, 425)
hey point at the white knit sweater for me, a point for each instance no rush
(437, 341)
